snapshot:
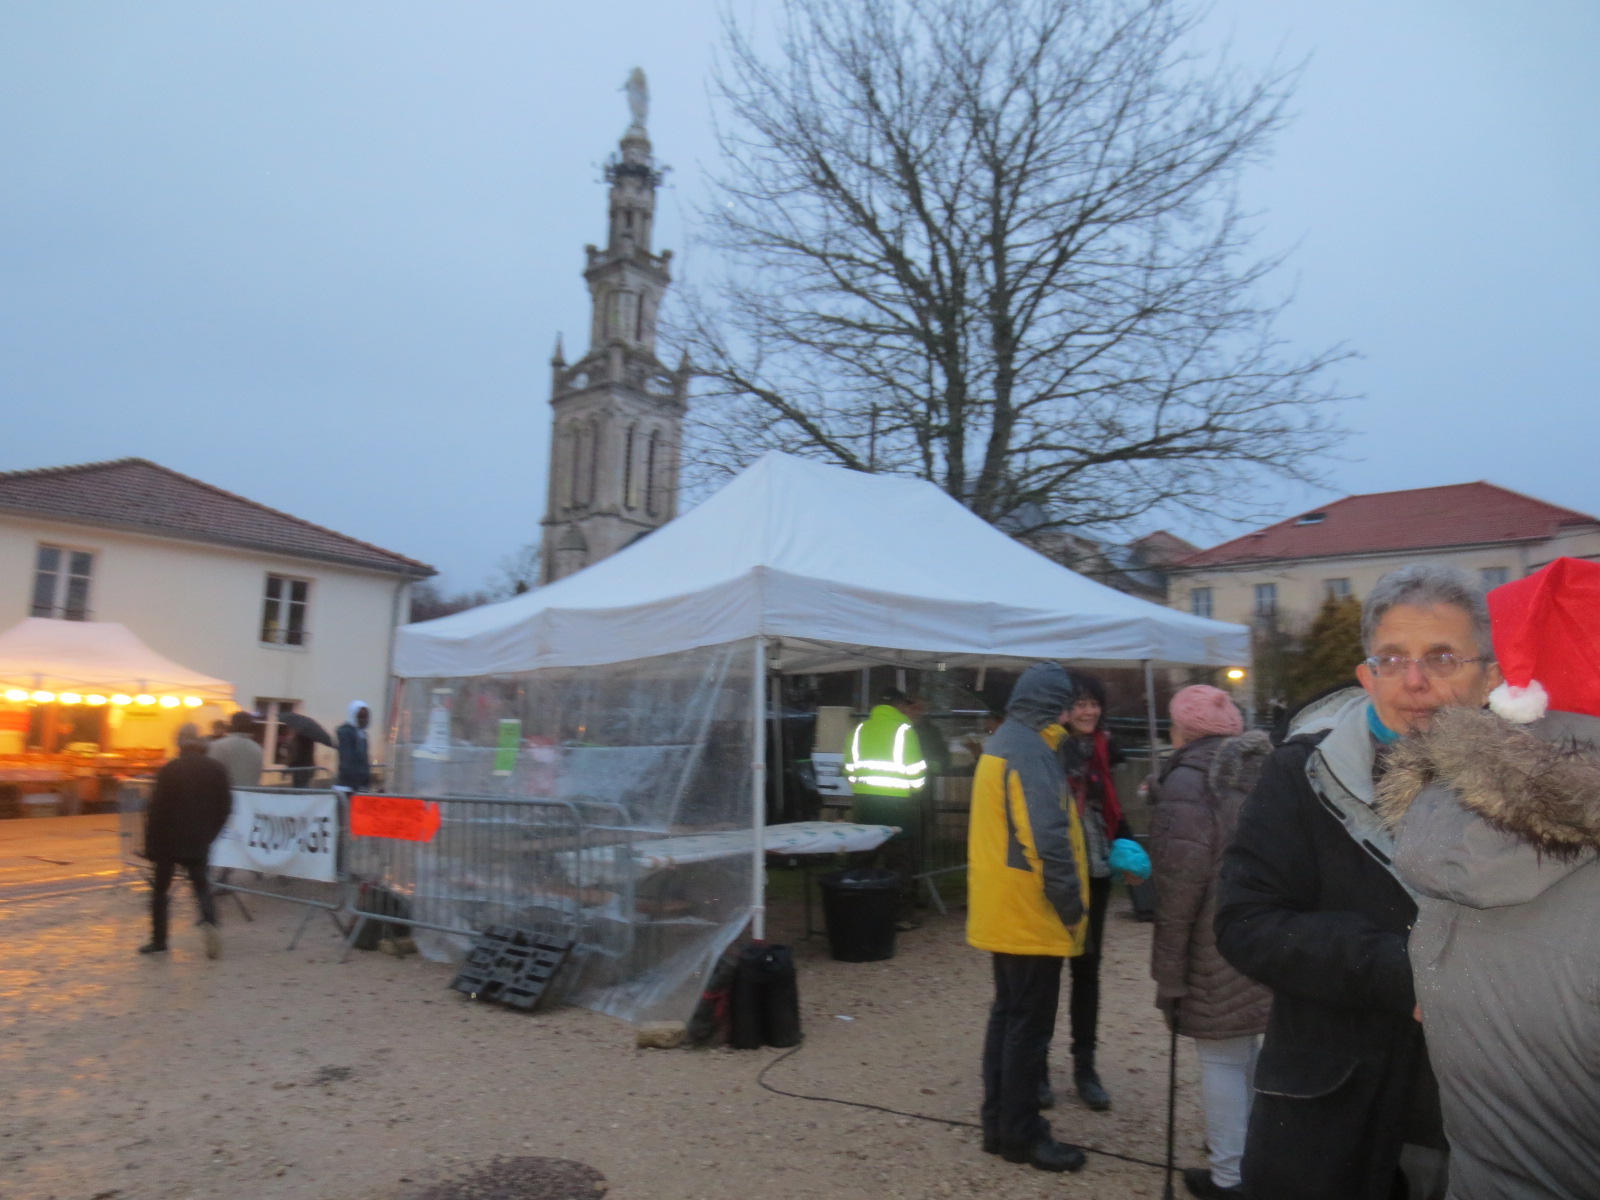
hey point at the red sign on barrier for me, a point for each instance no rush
(402, 818)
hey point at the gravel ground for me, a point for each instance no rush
(271, 1074)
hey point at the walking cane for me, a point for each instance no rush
(1172, 1097)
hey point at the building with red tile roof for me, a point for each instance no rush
(137, 494)
(1285, 571)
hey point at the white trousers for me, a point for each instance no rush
(1227, 1084)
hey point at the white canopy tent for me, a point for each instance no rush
(42, 654)
(817, 568)
(833, 564)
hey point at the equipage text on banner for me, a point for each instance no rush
(279, 834)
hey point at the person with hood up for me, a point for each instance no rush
(355, 756)
(1195, 806)
(1309, 904)
(1026, 884)
(1498, 817)
(189, 804)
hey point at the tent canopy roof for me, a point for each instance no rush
(104, 656)
(835, 563)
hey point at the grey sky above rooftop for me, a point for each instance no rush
(318, 254)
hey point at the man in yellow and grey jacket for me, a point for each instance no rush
(1027, 885)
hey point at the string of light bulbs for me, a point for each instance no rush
(97, 699)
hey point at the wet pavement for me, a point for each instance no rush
(285, 1075)
(43, 856)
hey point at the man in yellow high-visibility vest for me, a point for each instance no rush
(884, 764)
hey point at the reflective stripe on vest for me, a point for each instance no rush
(876, 772)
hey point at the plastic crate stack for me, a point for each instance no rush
(510, 966)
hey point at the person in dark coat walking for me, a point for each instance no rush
(1310, 905)
(355, 756)
(1194, 809)
(189, 805)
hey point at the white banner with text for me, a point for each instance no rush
(281, 833)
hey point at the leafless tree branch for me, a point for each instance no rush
(995, 244)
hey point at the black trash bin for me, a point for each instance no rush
(858, 904)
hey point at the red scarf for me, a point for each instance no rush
(1099, 767)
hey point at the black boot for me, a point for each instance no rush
(1046, 1154)
(1090, 1090)
(160, 904)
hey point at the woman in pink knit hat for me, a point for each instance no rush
(1196, 802)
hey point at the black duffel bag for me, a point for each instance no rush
(766, 998)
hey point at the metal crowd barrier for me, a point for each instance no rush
(315, 895)
(133, 798)
(946, 812)
(492, 861)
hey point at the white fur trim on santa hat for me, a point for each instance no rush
(1523, 705)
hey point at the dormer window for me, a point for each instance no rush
(1312, 518)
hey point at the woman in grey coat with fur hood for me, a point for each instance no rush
(1498, 817)
(1196, 806)
(1499, 832)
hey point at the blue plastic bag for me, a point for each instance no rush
(1128, 856)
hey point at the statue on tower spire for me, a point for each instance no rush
(638, 89)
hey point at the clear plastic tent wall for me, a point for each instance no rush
(654, 756)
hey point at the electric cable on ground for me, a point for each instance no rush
(761, 1079)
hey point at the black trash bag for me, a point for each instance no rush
(375, 899)
(766, 999)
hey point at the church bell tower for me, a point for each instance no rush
(618, 412)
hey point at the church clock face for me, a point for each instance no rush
(617, 432)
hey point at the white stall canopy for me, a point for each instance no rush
(42, 654)
(835, 564)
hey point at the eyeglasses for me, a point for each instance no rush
(1438, 664)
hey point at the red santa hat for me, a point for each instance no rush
(1547, 641)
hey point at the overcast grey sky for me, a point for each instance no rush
(318, 253)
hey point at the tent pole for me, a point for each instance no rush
(1150, 715)
(758, 795)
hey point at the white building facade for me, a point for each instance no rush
(296, 617)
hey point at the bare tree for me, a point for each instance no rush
(514, 574)
(996, 244)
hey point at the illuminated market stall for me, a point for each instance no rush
(84, 704)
